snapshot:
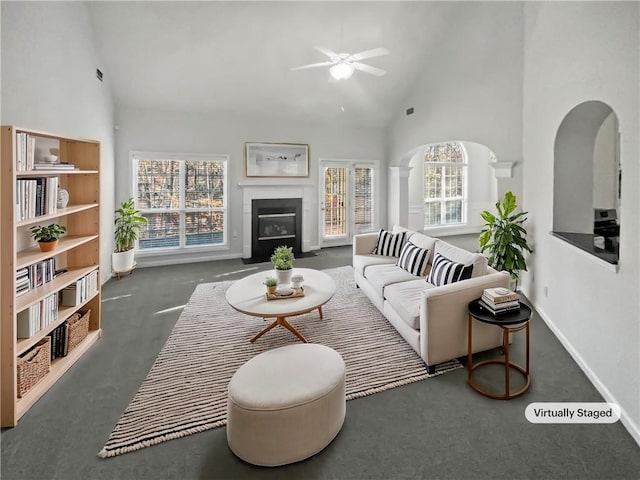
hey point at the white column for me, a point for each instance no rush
(398, 196)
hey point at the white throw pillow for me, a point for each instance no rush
(389, 244)
(413, 259)
(444, 271)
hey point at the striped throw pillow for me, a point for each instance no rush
(389, 244)
(444, 271)
(413, 259)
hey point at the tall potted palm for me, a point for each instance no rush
(504, 237)
(129, 224)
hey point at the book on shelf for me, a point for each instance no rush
(59, 340)
(25, 151)
(48, 310)
(80, 291)
(41, 272)
(54, 166)
(35, 197)
(28, 321)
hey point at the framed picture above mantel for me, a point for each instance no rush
(276, 159)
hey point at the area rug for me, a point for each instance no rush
(185, 391)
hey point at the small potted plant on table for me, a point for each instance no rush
(47, 237)
(282, 260)
(272, 285)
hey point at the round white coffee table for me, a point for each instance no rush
(248, 296)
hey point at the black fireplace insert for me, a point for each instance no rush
(275, 222)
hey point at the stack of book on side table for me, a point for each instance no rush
(500, 300)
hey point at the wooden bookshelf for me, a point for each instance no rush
(78, 254)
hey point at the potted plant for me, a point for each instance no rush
(129, 224)
(505, 238)
(47, 237)
(282, 260)
(272, 285)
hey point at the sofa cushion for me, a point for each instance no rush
(459, 255)
(413, 259)
(398, 229)
(362, 262)
(382, 275)
(444, 271)
(405, 298)
(423, 241)
(389, 244)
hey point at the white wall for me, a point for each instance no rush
(49, 83)
(179, 132)
(575, 52)
(471, 89)
(605, 165)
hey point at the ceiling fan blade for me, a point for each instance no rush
(375, 52)
(327, 52)
(378, 72)
(312, 65)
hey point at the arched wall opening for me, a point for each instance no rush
(586, 180)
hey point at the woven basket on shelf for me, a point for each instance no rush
(34, 365)
(77, 329)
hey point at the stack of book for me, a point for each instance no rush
(23, 284)
(500, 300)
(54, 166)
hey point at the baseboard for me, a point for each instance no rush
(176, 260)
(626, 421)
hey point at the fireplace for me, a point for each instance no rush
(275, 222)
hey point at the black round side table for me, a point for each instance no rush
(509, 323)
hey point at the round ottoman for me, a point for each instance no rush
(286, 404)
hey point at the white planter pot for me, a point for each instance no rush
(122, 261)
(284, 276)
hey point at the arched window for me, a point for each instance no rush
(445, 174)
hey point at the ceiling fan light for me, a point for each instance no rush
(341, 71)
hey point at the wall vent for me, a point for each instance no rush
(99, 74)
(410, 111)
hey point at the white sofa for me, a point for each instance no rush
(432, 319)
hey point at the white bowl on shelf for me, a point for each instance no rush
(50, 158)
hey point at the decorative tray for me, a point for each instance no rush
(297, 292)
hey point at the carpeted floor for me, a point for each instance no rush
(185, 391)
(439, 428)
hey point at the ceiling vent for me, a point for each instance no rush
(99, 74)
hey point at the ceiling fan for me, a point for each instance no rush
(342, 65)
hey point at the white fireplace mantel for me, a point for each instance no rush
(252, 191)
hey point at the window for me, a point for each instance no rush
(445, 172)
(363, 210)
(183, 198)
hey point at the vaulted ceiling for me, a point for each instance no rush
(236, 57)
